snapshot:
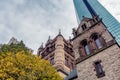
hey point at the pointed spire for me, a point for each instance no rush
(59, 31)
(49, 38)
(59, 34)
(41, 45)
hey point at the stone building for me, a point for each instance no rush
(60, 54)
(13, 40)
(97, 54)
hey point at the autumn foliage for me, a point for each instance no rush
(22, 66)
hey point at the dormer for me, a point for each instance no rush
(86, 23)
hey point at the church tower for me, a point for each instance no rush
(60, 54)
(97, 54)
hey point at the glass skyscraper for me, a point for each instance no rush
(90, 8)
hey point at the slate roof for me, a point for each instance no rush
(72, 75)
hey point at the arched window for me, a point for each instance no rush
(97, 40)
(86, 47)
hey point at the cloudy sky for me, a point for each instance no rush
(34, 20)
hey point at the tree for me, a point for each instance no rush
(21, 66)
(14, 48)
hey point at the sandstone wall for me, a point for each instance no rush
(110, 60)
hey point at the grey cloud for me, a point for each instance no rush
(34, 20)
(112, 6)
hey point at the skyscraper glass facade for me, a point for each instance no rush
(88, 8)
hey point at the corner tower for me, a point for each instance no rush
(60, 54)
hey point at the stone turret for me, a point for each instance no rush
(60, 54)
